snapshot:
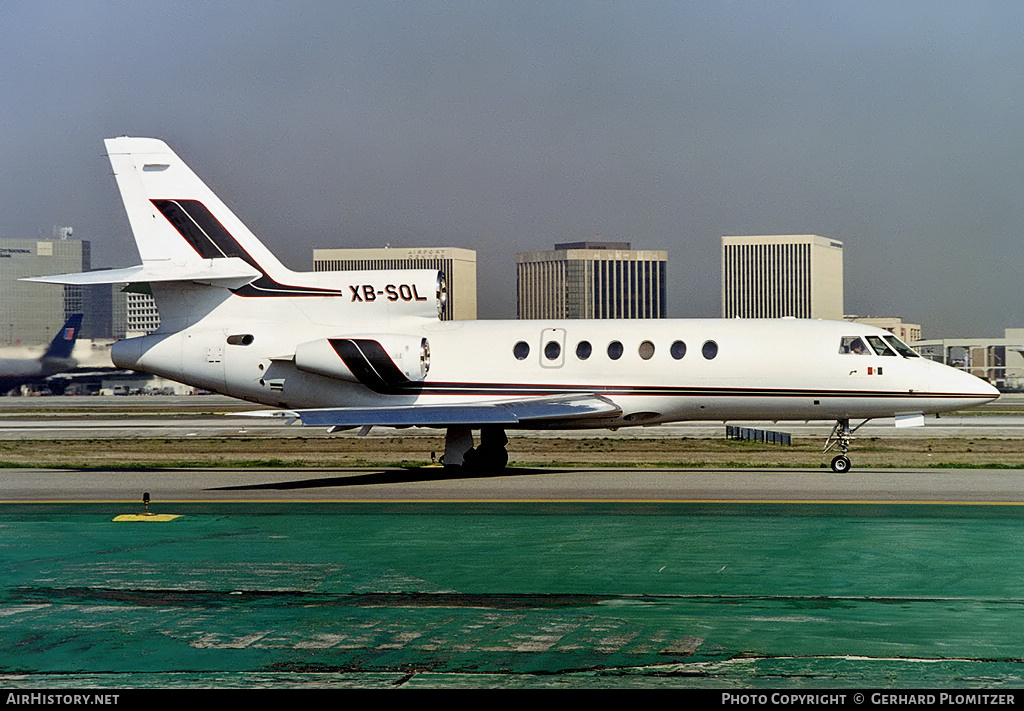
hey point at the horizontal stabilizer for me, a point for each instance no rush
(533, 410)
(229, 272)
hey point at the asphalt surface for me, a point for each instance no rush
(517, 485)
(175, 416)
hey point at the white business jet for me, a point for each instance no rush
(358, 349)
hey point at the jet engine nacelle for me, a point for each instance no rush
(374, 360)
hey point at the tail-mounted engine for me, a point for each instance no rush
(380, 362)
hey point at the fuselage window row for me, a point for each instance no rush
(852, 345)
(584, 349)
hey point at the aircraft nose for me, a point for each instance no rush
(989, 391)
(963, 385)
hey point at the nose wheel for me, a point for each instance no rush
(840, 438)
(841, 464)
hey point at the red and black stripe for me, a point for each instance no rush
(211, 240)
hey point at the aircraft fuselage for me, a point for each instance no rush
(654, 370)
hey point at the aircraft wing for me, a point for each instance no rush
(507, 412)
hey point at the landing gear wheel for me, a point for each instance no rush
(492, 459)
(841, 435)
(491, 455)
(840, 464)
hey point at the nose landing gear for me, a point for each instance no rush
(841, 437)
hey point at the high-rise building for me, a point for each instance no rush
(458, 265)
(773, 276)
(32, 312)
(140, 313)
(591, 280)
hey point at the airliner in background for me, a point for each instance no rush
(358, 349)
(15, 372)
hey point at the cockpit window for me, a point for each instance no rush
(902, 348)
(880, 348)
(853, 345)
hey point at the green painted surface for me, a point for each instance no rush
(491, 595)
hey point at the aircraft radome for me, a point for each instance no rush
(366, 348)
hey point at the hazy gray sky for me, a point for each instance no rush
(895, 127)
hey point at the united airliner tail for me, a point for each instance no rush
(64, 342)
(15, 372)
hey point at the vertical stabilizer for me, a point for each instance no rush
(64, 342)
(175, 218)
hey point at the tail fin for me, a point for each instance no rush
(184, 233)
(174, 216)
(64, 342)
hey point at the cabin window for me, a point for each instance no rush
(241, 339)
(646, 350)
(614, 350)
(678, 350)
(902, 348)
(552, 350)
(880, 348)
(709, 349)
(521, 350)
(853, 345)
(583, 350)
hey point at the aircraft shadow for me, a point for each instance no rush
(387, 476)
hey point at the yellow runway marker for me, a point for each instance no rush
(147, 517)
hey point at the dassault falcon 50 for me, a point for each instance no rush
(356, 349)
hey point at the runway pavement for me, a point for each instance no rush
(162, 416)
(636, 485)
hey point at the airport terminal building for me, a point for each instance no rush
(1000, 361)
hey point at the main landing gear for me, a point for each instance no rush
(490, 456)
(841, 437)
